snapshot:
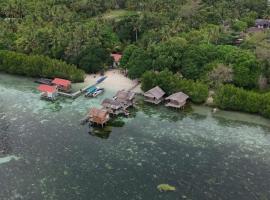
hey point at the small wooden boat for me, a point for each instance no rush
(99, 91)
(101, 79)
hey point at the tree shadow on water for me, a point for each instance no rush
(104, 132)
(164, 113)
(54, 106)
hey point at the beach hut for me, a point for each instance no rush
(98, 116)
(116, 59)
(177, 100)
(62, 84)
(155, 95)
(48, 92)
(126, 98)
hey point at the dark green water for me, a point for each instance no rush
(46, 154)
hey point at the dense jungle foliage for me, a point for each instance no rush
(203, 44)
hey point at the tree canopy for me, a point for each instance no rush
(198, 42)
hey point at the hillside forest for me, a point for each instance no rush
(195, 46)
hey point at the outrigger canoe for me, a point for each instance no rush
(101, 79)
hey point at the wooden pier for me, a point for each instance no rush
(76, 94)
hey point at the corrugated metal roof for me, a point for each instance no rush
(116, 57)
(62, 82)
(46, 88)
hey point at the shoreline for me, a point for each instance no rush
(115, 81)
(123, 82)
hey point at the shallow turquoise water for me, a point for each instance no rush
(46, 154)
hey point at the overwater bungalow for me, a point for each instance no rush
(62, 84)
(155, 95)
(98, 116)
(126, 98)
(177, 100)
(48, 92)
(112, 106)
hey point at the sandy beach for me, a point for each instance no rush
(115, 81)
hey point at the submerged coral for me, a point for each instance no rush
(165, 188)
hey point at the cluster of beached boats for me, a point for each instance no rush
(94, 91)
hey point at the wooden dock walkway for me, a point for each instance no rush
(76, 94)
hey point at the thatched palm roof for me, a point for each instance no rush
(179, 97)
(123, 95)
(111, 103)
(155, 92)
(98, 113)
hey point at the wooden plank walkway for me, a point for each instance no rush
(76, 94)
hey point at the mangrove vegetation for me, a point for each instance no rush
(195, 46)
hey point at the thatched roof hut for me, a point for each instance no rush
(126, 98)
(111, 104)
(155, 95)
(177, 100)
(98, 116)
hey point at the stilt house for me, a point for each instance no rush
(62, 84)
(177, 100)
(126, 98)
(98, 116)
(155, 95)
(48, 92)
(112, 106)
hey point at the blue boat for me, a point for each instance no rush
(90, 91)
(101, 79)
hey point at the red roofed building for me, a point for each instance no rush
(62, 84)
(116, 59)
(48, 92)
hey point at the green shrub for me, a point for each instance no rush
(239, 25)
(38, 66)
(229, 97)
